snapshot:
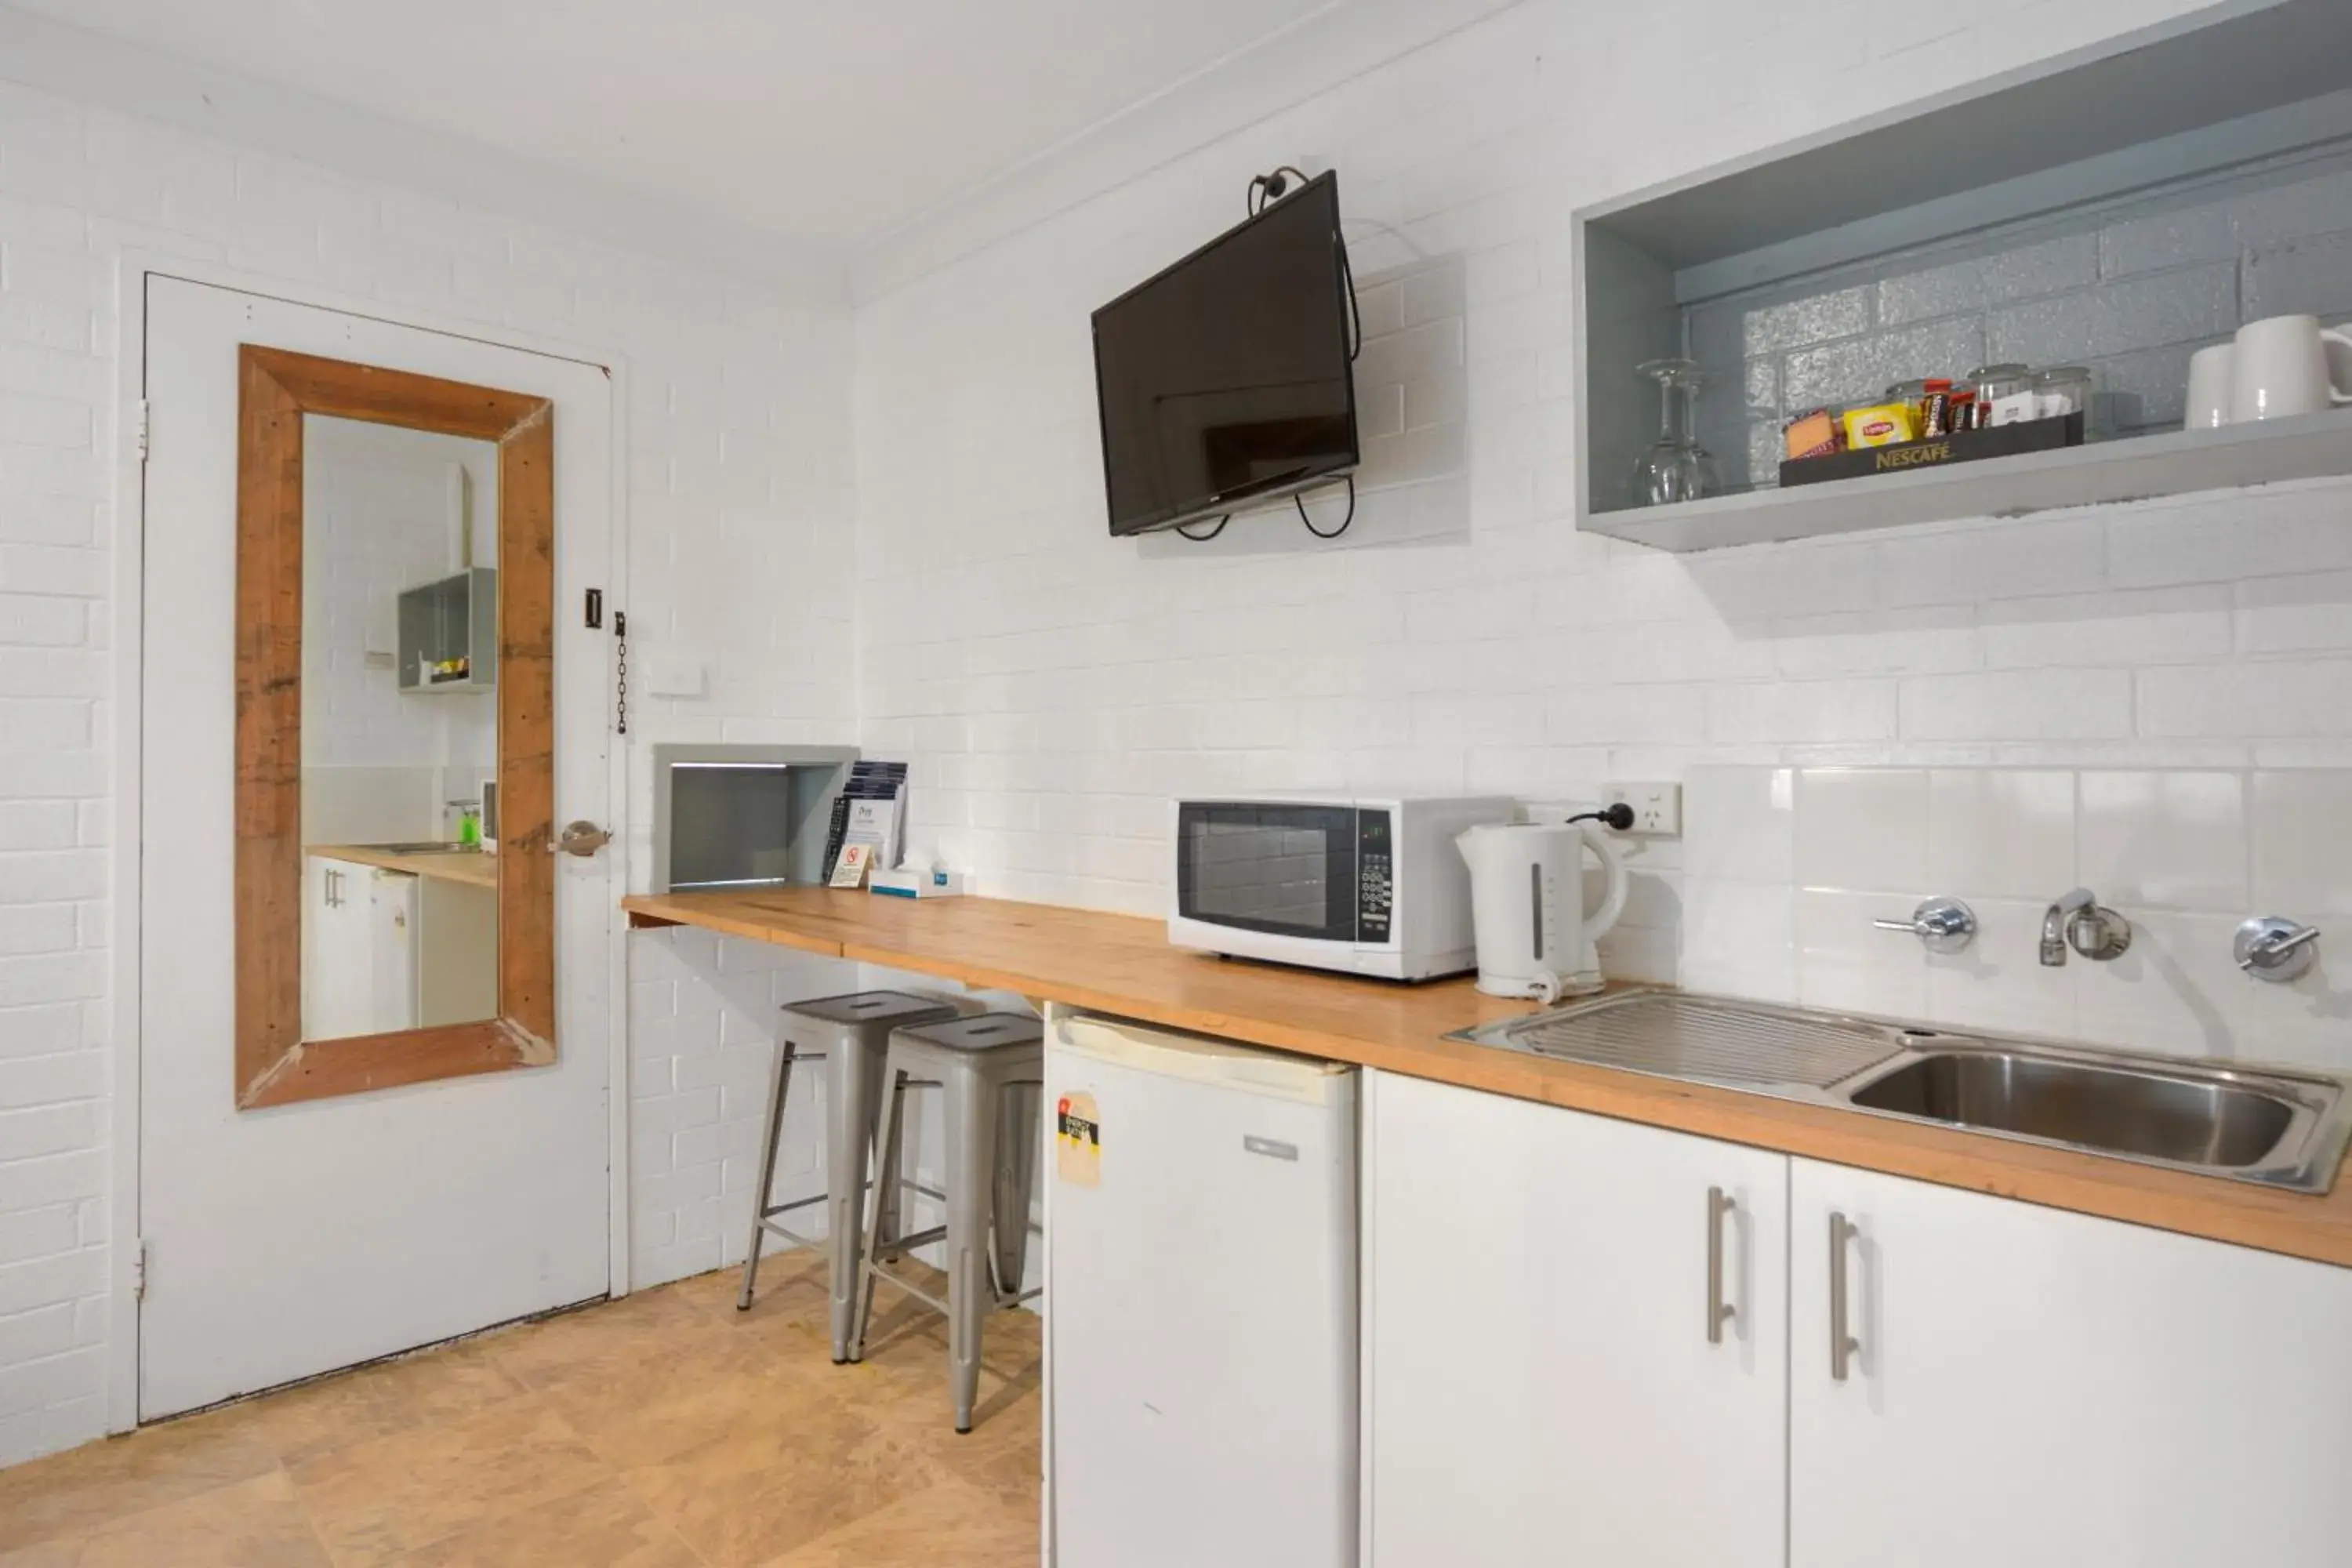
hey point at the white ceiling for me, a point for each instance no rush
(836, 122)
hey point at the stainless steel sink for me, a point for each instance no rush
(2274, 1126)
(2225, 1122)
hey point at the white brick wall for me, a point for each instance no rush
(1785, 869)
(1051, 685)
(702, 1031)
(737, 530)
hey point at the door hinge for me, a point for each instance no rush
(139, 1271)
(140, 417)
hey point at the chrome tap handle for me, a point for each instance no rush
(2283, 945)
(2275, 949)
(1941, 924)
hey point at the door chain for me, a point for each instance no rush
(621, 695)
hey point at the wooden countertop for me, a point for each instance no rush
(470, 867)
(1118, 964)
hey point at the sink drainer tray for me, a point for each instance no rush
(1700, 1038)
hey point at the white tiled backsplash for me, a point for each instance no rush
(1784, 869)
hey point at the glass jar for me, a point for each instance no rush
(2063, 389)
(2004, 395)
(1995, 381)
(1910, 393)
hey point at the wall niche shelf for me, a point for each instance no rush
(454, 618)
(2109, 206)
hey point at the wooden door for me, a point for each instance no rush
(1542, 1388)
(2039, 1389)
(311, 1203)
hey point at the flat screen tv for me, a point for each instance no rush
(1224, 379)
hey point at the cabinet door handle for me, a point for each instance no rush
(1842, 1344)
(1718, 1310)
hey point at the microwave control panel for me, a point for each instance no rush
(1375, 876)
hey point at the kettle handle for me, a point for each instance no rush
(1613, 903)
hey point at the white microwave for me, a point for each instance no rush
(1364, 887)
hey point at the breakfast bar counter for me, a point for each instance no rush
(1125, 965)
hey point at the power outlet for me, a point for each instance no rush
(1657, 806)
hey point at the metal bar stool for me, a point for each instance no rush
(850, 1034)
(991, 1069)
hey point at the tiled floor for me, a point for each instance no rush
(666, 1430)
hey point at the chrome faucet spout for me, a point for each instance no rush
(2076, 920)
(2053, 925)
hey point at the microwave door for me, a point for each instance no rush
(1282, 869)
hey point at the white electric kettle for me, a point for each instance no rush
(1527, 904)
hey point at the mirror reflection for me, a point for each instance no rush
(399, 729)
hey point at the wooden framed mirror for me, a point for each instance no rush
(466, 978)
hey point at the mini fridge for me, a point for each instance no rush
(1200, 1370)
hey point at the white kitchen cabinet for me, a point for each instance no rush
(1540, 1386)
(338, 949)
(2039, 1389)
(386, 951)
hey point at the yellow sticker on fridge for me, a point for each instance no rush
(1077, 1140)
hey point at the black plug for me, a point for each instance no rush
(1619, 816)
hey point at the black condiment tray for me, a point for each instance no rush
(1961, 447)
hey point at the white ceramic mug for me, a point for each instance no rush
(2211, 372)
(2280, 370)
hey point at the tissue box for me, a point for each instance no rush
(915, 882)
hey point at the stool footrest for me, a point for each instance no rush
(767, 1221)
(999, 1300)
(770, 1227)
(936, 1303)
(899, 1246)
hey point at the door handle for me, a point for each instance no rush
(1718, 1310)
(581, 838)
(1842, 1344)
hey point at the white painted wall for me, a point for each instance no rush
(736, 508)
(1052, 687)
(385, 510)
